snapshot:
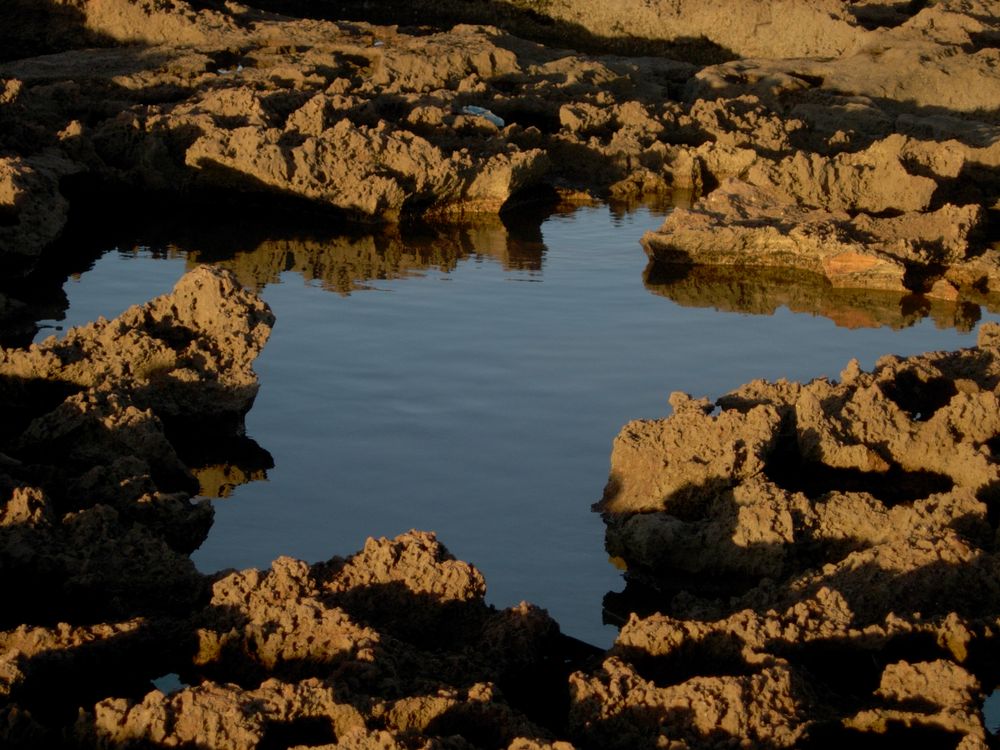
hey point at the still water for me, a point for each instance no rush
(471, 381)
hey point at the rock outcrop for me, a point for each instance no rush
(97, 513)
(380, 123)
(788, 531)
(808, 565)
(98, 518)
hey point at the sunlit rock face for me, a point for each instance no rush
(788, 530)
(869, 135)
(97, 522)
(935, 255)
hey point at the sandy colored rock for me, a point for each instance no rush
(821, 555)
(953, 692)
(190, 351)
(97, 515)
(865, 539)
(32, 210)
(672, 478)
(369, 120)
(745, 225)
(616, 707)
(873, 181)
(214, 715)
(756, 29)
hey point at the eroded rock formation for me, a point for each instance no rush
(872, 125)
(97, 514)
(789, 531)
(809, 564)
(97, 520)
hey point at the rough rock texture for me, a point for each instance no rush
(809, 565)
(188, 352)
(743, 225)
(390, 647)
(96, 516)
(872, 110)
(822, 558)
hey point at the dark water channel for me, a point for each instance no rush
(470, 382)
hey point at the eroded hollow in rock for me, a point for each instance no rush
(847, 671)
(790, 470)
(24, 399)
(918, 397)
(307, 731)
(715, 655)
(896, 734)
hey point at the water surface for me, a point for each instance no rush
(470, 382)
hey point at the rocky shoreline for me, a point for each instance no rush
(808, 565)
(869, 129)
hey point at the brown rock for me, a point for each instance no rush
(874, 180)
(653, 466)
(747, 226)
(213, 715)
(32, 210)
(190, 351)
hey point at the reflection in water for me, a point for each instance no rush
(761, 291)
(224, 465)
(219, 455)
(346, 262)
(479, 408)
(342, 261)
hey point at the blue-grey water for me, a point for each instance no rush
(479, 398)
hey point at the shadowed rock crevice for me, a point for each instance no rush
(387, 646)
(42, 27)
(790, 470)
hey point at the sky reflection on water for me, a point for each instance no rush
(432, 391)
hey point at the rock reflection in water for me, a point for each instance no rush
(227, 463)
(341, 261)
(347, 262)
(761, 291)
